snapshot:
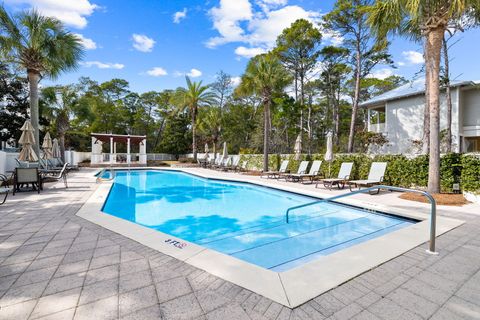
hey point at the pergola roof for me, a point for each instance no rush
(105, 137)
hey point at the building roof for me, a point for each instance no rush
(105, 137)
(412, 88)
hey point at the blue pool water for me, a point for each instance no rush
(240, 219)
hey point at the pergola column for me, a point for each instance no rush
(129, 157)
(112, 160)
(143, 152)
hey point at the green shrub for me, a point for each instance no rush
(470, 173)
(401, 171)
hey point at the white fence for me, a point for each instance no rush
(160, 156)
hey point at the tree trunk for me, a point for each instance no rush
(33, 79)
(61, 136)
(356, 99)
(434, 47)
(426, 111)
(266, 132)
(194, 133)
(448, 93)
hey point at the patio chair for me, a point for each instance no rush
(217, 163)
(69, 165)
(375, 177)
(234, 163)
(243, 167)
(26, 176)
(302, 169)
(276, 174)
(311, 175)
(61, 175)
(342, 177)
(4, 189)
(225, 164)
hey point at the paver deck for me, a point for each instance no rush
(55, 265)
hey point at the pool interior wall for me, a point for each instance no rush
(242, 220)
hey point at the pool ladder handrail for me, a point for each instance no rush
(433, 207)
(100, 179)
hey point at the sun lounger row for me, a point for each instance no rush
(313, 175)
(375, 176)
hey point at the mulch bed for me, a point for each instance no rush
(445, 199)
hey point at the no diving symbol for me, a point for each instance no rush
(177, 244)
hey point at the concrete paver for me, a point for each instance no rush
(55, 265)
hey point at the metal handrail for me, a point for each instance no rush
(99, 178)
(433, 210)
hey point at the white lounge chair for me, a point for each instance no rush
(375, 177)
(61, 175)
(342, 178)
(302, 169)
(277, 174)
(311, 175)
(4, 189)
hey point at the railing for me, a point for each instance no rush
(100, 176)
(433, 205)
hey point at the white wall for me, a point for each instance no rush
(3, 162)
(74, 157)
(404, 123)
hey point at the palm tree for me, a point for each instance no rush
(210, 125)
(61, 102)
(432, 18)
(42, 47)
(195, 95)
(264, 76)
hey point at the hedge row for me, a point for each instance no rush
(401, 171)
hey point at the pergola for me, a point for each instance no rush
(99, 138)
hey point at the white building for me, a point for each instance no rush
(398, 114)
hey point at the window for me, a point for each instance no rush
(472, 144)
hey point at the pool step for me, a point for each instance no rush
(264, 226)
(293, 241)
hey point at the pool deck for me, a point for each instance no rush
(56, 265)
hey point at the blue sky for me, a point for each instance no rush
(154, 43)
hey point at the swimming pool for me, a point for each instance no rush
(242, 220)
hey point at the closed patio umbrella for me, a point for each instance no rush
(225, 152)
(56, 149)
(298, 147)
(47, 146)
(206, 151)
(27, 140)
(329, 153)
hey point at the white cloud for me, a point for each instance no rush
(194, 73)
(236, 81)
(157, 72)
(400, 63)
(413, 57)
(381, 73)
(70, 12)
(248, 52)
(180, 15)
(142, 43)
(226, 20)
(87, 43)
(236, 21)
(102, 65)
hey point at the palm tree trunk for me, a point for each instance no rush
(426, 111)
(356, 100)
(448, 93)
(61, 136)
(33, 79)
(194, 133)
(434, 47)
(266, 132)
